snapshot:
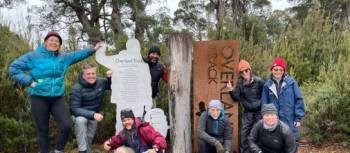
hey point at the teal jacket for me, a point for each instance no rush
(46, 68)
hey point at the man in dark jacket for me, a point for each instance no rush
(157, 69)
(248, 91)
(136, 137)
(86, 98)
(214, 130)
(270, 135)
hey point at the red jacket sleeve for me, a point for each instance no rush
(150, 135)
(117, 140)
(165, 74)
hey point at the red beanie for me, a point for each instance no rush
(279, 62)
(53, 33)
(243, 64)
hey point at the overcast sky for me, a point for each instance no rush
(16, 17)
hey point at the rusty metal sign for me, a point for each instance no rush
(214, 64)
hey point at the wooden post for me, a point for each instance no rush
(180, 58)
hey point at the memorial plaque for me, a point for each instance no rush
(131, 80)
(214, 64)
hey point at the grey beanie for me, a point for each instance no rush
(268, 108)
(215, 104)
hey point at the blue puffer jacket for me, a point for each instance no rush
(289, 102)
(46, 68)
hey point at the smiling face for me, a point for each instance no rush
(154, 57)
(245, 74)
(52, 44)
(270, 119)
(89, 75)
(277, 72)
(127, 123)
(215, 112)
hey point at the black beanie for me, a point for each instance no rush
(126, 113)
(154, 49)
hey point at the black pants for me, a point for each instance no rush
(205, 147)
(41, 108)
(248, 121)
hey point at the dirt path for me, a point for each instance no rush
(328, 148)
(303, 148)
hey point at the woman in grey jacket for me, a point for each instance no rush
(214, 130)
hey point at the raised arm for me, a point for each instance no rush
(76, 56)
(236, 92)
(103, 59)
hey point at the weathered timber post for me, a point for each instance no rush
(180, 59)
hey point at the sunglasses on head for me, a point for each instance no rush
(246, 71)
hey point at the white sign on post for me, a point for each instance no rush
(131, 85)
(131, 79)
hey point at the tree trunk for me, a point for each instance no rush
(90, 26)
(138, 17)
(116, 19)
(221, 11)
(251, 38)
(237, 10)
(180, 70)
(345, 17)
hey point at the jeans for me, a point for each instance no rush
(84, 132)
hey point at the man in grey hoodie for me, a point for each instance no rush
(214, 130)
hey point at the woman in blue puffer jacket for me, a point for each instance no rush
(43, 70)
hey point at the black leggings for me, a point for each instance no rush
(41, 108)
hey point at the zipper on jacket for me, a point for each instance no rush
(52, 83)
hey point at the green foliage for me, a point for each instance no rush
(317, 55)
(19, 133)
(328, 104)
(310, 45)
(254, 28)
(316, 50)
(190, 14)
(17, 130)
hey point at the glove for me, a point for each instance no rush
(219, 147)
